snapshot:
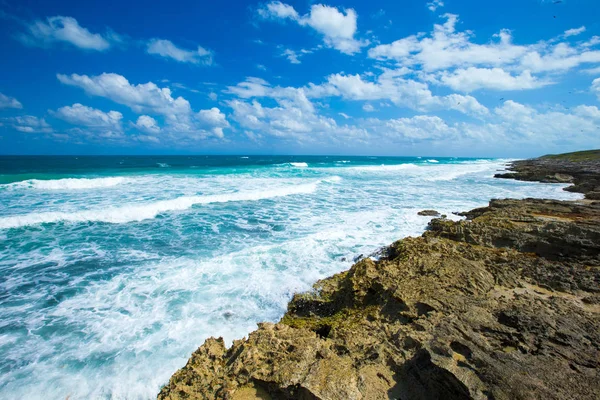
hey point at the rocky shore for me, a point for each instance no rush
(502, 305)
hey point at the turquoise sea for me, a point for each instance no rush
(114, 269)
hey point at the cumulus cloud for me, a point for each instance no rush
(61, 29)
(145, 98)
(559, 58)
(146, 123)
(166, 48)
(393, 86)
(338, 28)
(141, 98)
(511, 124)
(451, 57)
(9, 102)
(214, 119)
(434, 5)
(446, 47)
(29, 124)
(293, 118)
(525, 122)
(277, 9)
(78, 114)
(421, 127)
(472, 78)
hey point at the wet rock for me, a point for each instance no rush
(429, 213)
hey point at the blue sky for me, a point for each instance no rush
(442, 77)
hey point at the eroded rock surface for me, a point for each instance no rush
(503, 305)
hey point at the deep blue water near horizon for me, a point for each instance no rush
(48, 166)
(113, 269)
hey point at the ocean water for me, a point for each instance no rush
(114, 269)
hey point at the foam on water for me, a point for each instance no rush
(112, 310)
(136, 212)
(66, 184)
(299, 164)
(384, 168)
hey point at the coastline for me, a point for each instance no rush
(504, 304)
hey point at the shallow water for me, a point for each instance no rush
(114, 269)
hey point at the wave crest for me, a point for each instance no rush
(66, 183)
(139, 212)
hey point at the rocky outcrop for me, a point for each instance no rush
(582, 169)
(502, 305)
(428, 213)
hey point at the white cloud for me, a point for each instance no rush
(368, 108)
(146, 98)
(214, 119)
(291, 56)
(472, 78)
(434, 5)
(261, 67)
(277, 9)
(29, 124)
(146, 123)
(256, 87)
(166, 48)
(559, 58)
(512, 125)
(574, 31)
(592, 71)
(520, 121)
(596, 87)
(78, 114)
(66, 30)
(392, 85)
(289, 121)
(294, 117)
(337, 27)
(421, 127)
(9, 102)
(447, 48)
(141, 98)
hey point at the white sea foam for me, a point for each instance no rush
(433, 161)
(450, 172)
(139, 212)
(67, 183)
(384, 168)
(299, 164)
